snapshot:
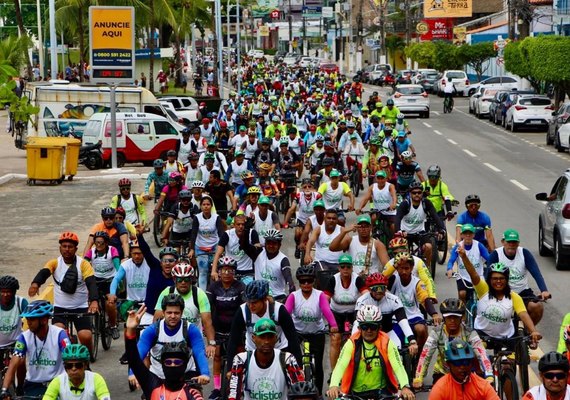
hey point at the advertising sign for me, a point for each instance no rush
(459, 35)
(437, 29)
(448, 8)
(112, 44)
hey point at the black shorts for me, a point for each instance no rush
(527, 296)
(300, 224)
(496, 344)
(177, 237)
(80, 323)
(341, 318)
(420, 240)
(104, 286)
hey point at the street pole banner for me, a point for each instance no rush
(112, 44)
(448, 8)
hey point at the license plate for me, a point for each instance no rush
(411, 100)
(536, 122)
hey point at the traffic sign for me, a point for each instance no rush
(275, 14)
(312, 11)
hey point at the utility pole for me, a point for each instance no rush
(238, 40)
(408, 22)
(290, 29)
(382, 32)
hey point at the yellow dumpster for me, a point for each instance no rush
(45, 162)
(71, 156)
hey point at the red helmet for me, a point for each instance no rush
(69, 237)
(205, 120)
(124, 182)
(376, 279)
(223, 124)
(202, 104)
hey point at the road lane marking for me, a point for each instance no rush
(427, 125)
(491, 166)
(436, 112)
(451, 141)
(519, 185)
(437, 132)
(469, 153)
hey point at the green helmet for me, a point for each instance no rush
(75, 352)
(499, 267)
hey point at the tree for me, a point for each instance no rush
(517, 63)
(394, 43)
(423, 53)
(13, 51)
(445, 57)
(23, 33)
(476, 56)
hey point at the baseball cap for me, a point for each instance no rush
(263, 326)
(317, 203)
(467, 228)
(401, 134)
(345, 259)
(364, 218)
(238, 153)
(381, 173)
(263, 200)
(511, 235)
(211, 143)
(334, 173)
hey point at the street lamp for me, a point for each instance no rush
(220, 44)
(333, 47)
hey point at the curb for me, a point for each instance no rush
(108, 176)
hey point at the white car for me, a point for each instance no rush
(484, 101)
(309, 62)
(255, 53)
(290, 59)
(529, 110)
(418, 78)
(503, 82)
(473, 99)
(562, 138)
(412, 99)
(459, 79)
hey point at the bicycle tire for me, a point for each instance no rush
(434, 256)
(95, 333)
(156, 233)
(356, 183)
(106, 337)
(442, 250)
(407, 363)
(522, 360)
(508, 374)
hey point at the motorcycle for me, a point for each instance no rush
(91, 156)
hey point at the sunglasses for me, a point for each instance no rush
(558, 375)
(125, 188)
(76, 365)
(184, 279)
(99, 243)
(169, 260)
(227, 271)
(108, 218)
(369, 327)
(173, 362)
(306, 281)
(345, 266)
(378, 288)
(462, 363)
(416, 192)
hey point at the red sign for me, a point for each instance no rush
(275, 14)
(438, 29)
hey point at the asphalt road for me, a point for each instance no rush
(505, 169)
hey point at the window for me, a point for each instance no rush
(118, 127)
(491, 81)
(456, 75)
(157, 110)
(561, 188)
(164, 128)
(138, 128)
(534, 101)
(410, 90)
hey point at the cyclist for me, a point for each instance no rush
(258, 306)
(308, 307)
(179, 222)
(225, 298)
(120, 216)
(242, 190)
(236, 168)
(220, 191)
(265, 372)
(77, 381)
(520, 262)
(118, 234)
(313, 153)
(75, 290)
(250, 146)
(264, 219)
(105, 261)
(43, 363)
(172, 164)
(370, 163)
(553, 368)
(264, 155)
(132, 204)
(303, 202)
(173, 358)
(412, 215)
(402, 124)
(184, 146)
(354, 152)
(392, 310)
(401, 144)
(370, 365)
(460, 382)
(453, 311)
(212, 154)
(478, 255)
(333, 193)
(368, 253)
(389, 111)
(191, 168)
(158, 177)
(448, 91)
(407, 169)
(480, 221)
(382, 194)
(169, 194)
(437, 192)
(205, 170)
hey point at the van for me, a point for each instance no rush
(141, 137)
(459, 79)
(66, 107)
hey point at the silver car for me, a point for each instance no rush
(412, 99)
(554, 222)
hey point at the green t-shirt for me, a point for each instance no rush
(191, 313)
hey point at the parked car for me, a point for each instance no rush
(185, 108)
(562, 138)
(328, 67)
(504, 103)
(554, 222)
(411, 99)
(473, 99)
(291, 58)
(559, 118)
(483, 103)
(494, 106)
(256, 53)
(374, 73)
(528, 110)
(506, 82)
(416, 79)
(459, 79)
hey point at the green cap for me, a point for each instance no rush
(242, 128)
(263, 326)
(345, 259)
(318, 203)
(381, 173)
(510, 235)
(365, 108)
(238, 153)
(209, 156)
(211, 143)
(467, 228)
(353, 136)
(334, 173)
(364, 218)
(388, 121)
(263, 200)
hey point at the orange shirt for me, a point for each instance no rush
(476, 388)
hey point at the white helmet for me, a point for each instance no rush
(198, 184)
(369, 313)
(407, 155)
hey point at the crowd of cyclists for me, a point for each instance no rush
(223, 288)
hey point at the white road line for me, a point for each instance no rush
(491, 166)
(437, 132)
(427, 125)
(519, 185)
(451, 141)
(436, 112)
(469, 153)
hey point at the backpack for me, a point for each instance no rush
(272, 314)
(156, 327)
(171, 290)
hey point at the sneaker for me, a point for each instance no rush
(215, 395)
(361, 186)
(115, 333)
(123, 359)
(297, 253)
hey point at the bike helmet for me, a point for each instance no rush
(320, 138)
(75, 352)
(390, 102)
(407, 155)
(307, 181)
(400, 116)
(303, 389)
(134, 244)
(552, 361)
(376, 279)
(265, 141)
(38, 309)
(9, 282)
(265, 166)
(183, 270)
(256, 290)
(350, 125)
(168, 251)
(172, 299)
(175, 350)
(121, 211)
(369, 313)
(500, 268)
(247, 175)
(398, 242)
(223, 125)
(434, 171)
(273, 235)
(193, 156)
(227, 262)
(284, 142)
(404, 256)
(472, 198)
(254, 190)
(124, 182)
(458, 349)
(305, 270)
(171, 153)
(451, 307)
(101, 234)
(415, 185)
(69, 237)
(185, 194)
(174, 176)
(198, 184)
(108, 212)
(159, 163)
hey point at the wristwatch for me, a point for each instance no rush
(212, 342)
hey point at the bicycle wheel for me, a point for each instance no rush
(523, 360)
(156, 227)
(106, 338)
(408, 363)
(434, 254)
(356, 178)
(442, 250)
(508, 378)
(95, 333)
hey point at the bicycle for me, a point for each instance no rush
(5, 357)
(408, 361)
(69, 329)
(371, 395)
(355, 176)
(288, 188)
(417, 250)
(308, 357)
(381, 229)
(470, 304)
(101, 323)
(157, 225)
(448, 105)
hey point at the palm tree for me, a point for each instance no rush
(73, 14)
(13, 51)
(23, 33)
(393, 44)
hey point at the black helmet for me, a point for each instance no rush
(175, 350)
(158, 163)
(184, 194)
(390, 102)
(415, 185)
(452, 306)
(171, 153)
(256, 290)
(265, 140)
(434, 171)
(9, 282)
(172, 299)
(303, 389)
(553, 360)
(108, 212)
(101, 234)
(458, 349)
(472, 198)
(305, 270)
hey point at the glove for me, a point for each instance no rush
(5, 394)
(449, 216)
